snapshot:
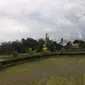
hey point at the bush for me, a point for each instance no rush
(30, 51)
(62, 51)
(15, 54)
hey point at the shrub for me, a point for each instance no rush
(30, 51)
(15, 53)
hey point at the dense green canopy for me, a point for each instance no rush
(37, 45)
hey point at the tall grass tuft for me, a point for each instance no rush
(15, 54)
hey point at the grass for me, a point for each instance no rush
(6, 57)
(58, 70)
(60, 81)
(10, 56)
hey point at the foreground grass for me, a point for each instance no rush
(54, 80)
(58, 70)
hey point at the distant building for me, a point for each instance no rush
(75, 46)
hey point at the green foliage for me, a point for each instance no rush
(68, 45)
(41, 43)
(62, 50)
(30, 51)
(15, 54)
(80, 42)
(23, 45)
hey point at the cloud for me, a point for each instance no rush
(24, 18)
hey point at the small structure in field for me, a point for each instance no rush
(75, 46)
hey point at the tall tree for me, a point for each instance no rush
(68, 45)
(41, 43)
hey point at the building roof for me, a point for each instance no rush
(75, 46)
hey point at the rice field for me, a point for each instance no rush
(58, 70)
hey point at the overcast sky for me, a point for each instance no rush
(33, 18)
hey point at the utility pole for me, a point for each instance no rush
(46, 40)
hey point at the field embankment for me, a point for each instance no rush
(60, 70)
(7, 61)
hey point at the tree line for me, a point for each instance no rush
(36, 45)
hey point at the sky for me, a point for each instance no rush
(33, 18)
